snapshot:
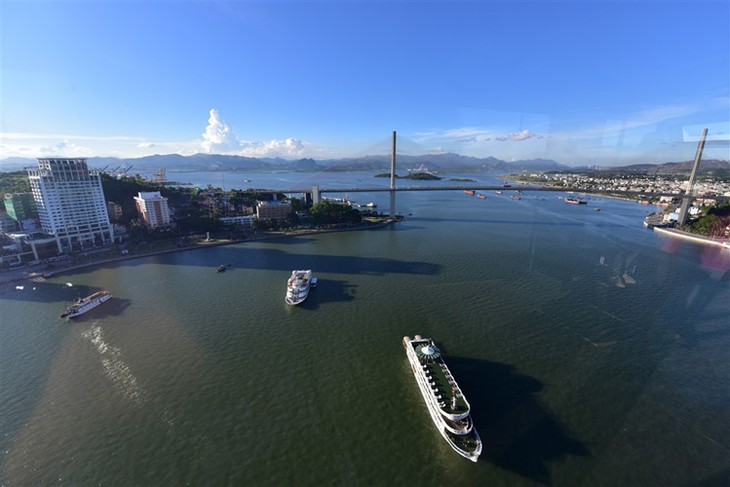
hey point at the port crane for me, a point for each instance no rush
(161, 175)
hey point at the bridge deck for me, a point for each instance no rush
(482, 188)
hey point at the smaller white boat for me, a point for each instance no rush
(371, 205)
(297, 287)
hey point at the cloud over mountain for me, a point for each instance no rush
(218, 136)
(220, 139)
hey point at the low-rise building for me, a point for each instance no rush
(21, 207)
(276, 210)
(246, 221)
(24, 247)
(114, 210)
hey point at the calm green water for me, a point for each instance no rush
(593, 352)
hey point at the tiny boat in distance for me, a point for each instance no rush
(297, 287)
(82, 305)
(449, 409)
(573, 201)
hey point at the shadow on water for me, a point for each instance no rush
(518, 432)
(293, 240)
(45, 292)
(549, 223)
(244, 256)
(235, 257)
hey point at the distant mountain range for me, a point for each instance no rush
(443, 163)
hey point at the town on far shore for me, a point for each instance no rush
(708, 211)
(63, 214)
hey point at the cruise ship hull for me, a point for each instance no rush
(297, 287)
(447, 406)
(86, 304)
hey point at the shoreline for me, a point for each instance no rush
(584, 192)
(691, 236)
(26, 273)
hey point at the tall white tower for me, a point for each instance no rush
(71, 204)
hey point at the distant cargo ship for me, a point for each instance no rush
(82, 305)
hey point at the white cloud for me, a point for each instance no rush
(476, 135)
(218, 137)
(276, 148)
(518, 136)
(66, 148)
(18, 144)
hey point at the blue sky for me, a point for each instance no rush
(605, 83)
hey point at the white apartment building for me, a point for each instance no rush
(152, 208)
(70, 203)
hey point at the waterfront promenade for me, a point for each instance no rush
(725, 243)
(78, 262)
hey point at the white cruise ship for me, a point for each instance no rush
(82, 305)
(297, 287)
(449, 409)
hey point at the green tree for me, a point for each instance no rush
(328, 212)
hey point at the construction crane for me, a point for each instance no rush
(122, 171)
(161, 175)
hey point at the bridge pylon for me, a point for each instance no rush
(392, 179)
(689, 194)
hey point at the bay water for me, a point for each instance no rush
(593, 352)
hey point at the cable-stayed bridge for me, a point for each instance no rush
(556, 189)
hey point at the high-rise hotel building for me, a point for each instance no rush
(70, 203)
(152, 208)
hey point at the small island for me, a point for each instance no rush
(420, 176)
